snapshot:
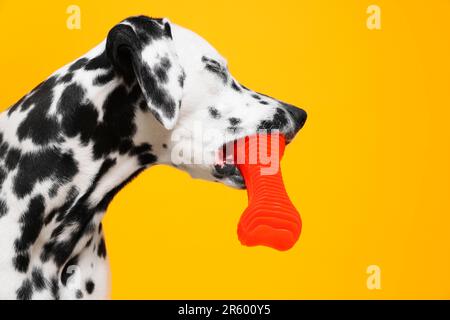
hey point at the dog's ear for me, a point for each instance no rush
(141, 48)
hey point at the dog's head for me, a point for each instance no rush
(191, 93)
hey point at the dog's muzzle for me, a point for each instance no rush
(298, 116)
(227, 171)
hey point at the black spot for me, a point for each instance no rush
(104, 78)
(65, 168)
(125, 146)
(255, 96)
(148, 29)
(40, 127)
(216, 68)
(2, 176)
(146, 159)
(145, 147)
(99, 62)
(101, 251)
(66, 78)
(214, 113)
(106, 165)
(50, 216)
(278, 122)
(161, 70)
(39, 95)
(164, 146)
(3, 149)
(54, 288)
(3, 207)
(12, 158)
(234, 130)
(143, 106)
(53, 190)
(78, 117)
(80, 63)
(59, 229)
(118, 121)
(25, 292)
(79, 294)
(90, 286)
(70, 198)
(88, 244)
(234, 121)
(21, 262)
(235, 86)
(32, 222)
(48, 163)
(159, 97)
(182, 79)
(263, 102)
(38, 279)
(34, 167)
(15, 106)
(47, 250)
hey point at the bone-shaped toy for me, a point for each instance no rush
(270, 219)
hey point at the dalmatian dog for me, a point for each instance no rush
(68, 146)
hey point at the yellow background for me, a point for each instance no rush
(370, 172)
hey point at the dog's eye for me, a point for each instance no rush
(214, 67)
(212, 64)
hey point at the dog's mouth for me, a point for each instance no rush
(225, 169)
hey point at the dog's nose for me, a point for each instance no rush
(298, 115)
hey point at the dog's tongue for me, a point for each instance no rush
(270, 219)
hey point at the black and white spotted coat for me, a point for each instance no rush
(74, 141)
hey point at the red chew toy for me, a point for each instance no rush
(270, 219)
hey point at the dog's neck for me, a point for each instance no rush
(69, 147)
